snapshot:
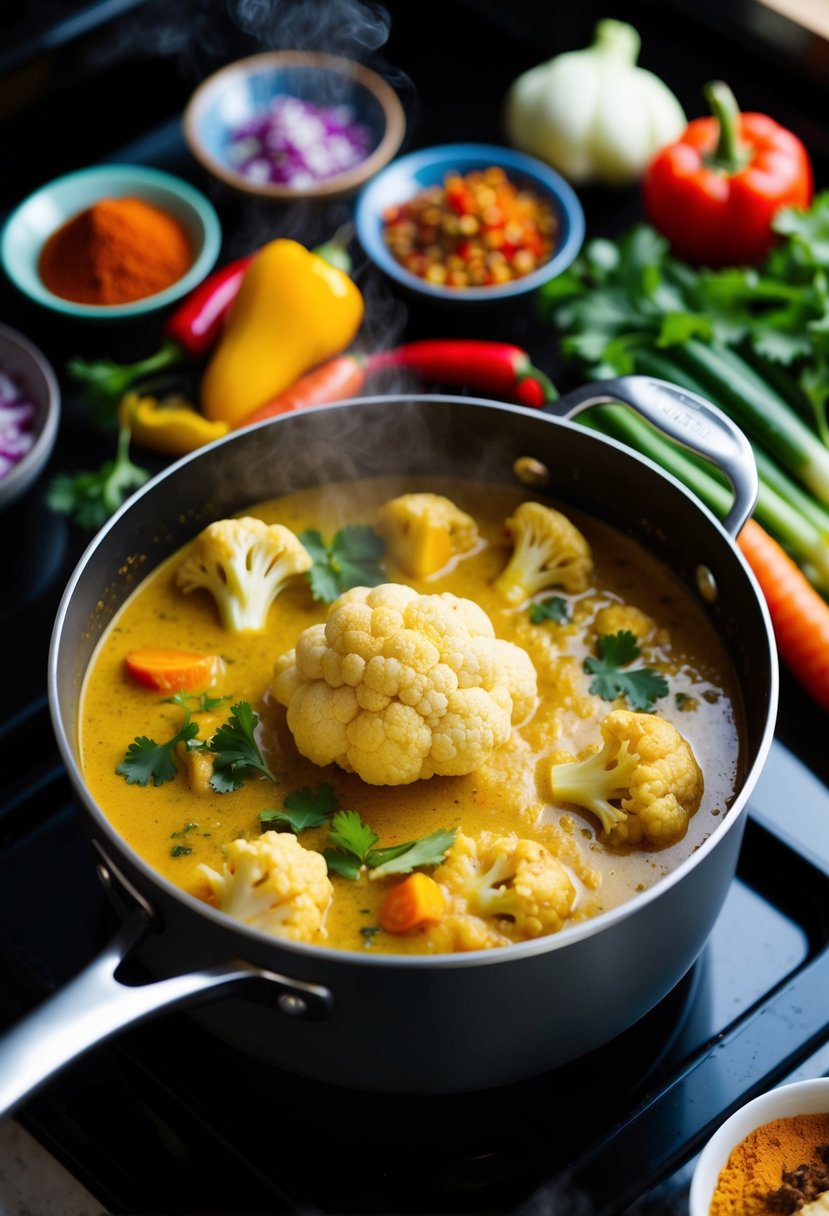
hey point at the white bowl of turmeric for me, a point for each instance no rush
(110, 241)
(770, 1158)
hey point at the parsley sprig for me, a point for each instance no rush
(350, 559)
(641, 686)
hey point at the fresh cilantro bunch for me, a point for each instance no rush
(147, 761)
(350, 559)
(641, 686)
(305, 808)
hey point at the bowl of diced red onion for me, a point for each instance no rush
(294, 125)
(29, 414)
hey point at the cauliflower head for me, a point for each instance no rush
(647, 768)
(274, 884)
(244, 564)
(516, 885)
(423, 532)
(398, 686)
(549, 551)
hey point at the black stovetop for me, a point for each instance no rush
(167, 1119)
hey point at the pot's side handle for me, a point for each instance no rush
(692, 421)
(96, 1005)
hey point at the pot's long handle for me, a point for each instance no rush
(692, 421)
(96, 1005)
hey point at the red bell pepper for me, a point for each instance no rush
(715, 191)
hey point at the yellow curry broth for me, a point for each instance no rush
(505, 795)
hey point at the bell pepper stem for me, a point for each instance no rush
(730, 154)
(617, 39)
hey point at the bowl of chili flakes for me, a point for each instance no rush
(469, 222)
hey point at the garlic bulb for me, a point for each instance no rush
(593, 114)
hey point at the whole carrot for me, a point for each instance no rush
(799, 615)
(334, 380)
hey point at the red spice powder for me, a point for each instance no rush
(116, 251)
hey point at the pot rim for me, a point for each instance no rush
(517, 951)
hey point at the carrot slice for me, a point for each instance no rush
(171, 670)
(417, 900)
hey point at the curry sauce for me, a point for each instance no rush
(177, 830)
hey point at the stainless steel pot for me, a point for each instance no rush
(416, 1024)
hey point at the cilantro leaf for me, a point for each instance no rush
(641, 687)
(350, 559)
(402, 859)
(553, 608)
(304, 808)
(236, 753)
(90, 498)
(348, 832)
(147, 761)
(342, 863)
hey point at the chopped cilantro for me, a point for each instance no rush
(147, 761)
(188, 827)
(304, 808)
(641, 686)
(350, 559)
(368, 933)
(355, 841)
(554, 608)
(236, 753)
(180, 850)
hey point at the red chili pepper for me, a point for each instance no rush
(195, 324)
(715, 191)
(490, 367)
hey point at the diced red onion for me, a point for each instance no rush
(17, 415)
(297, 143)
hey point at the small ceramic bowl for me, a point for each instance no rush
(44, 211)
(243, 90)
(800, 1098)
(21, 360)
(408, 176)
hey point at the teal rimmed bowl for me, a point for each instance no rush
(44, 211)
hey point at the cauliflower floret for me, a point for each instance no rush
(619, 617)
(458, 932)
(647, 767)
(423, 532)
(244, 564)
(549, 552)
(518, 883)
(274, 884)
(398, 686)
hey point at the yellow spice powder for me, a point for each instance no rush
(756, 1167)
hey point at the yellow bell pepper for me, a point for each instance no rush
(293, 311)
(172, 426)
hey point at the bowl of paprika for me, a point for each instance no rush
(110, 242)
(770, 1156)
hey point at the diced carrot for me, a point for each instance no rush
(171, 670)
(417, 900)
